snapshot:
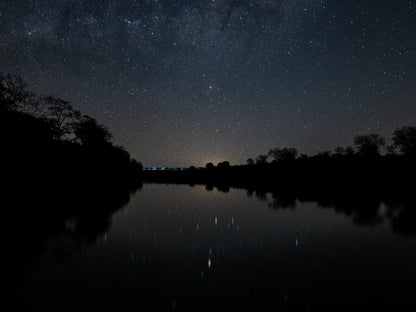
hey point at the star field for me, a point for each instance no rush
(182, 83)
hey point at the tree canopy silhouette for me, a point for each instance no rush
(13, 93)
(45, 138)
(61, 114)
(250, 161)
(283, 154)
(404, 139)
(224, 164)
(261, 159)
(369, 145)
(90, 133)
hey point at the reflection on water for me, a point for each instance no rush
(369, 211)
(175, 246)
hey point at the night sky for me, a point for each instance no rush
(182, 83)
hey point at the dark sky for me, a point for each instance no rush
(181, 83)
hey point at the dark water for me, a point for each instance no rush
(175, 246)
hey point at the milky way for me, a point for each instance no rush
(182, 83)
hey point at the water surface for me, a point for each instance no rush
(176, 246)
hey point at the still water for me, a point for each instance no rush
(175, 246)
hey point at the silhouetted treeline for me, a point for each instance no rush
(62, 177)
(370, 191)
(54, 159)
(358, 177)
(361, 167)
(46, 141)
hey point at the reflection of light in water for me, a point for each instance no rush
(232, 220)
(197, 227)
(210, 251)
(216, 221)
(209, 262)
(297, 242)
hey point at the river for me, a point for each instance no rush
(173, 247)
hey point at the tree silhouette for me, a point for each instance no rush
(261, 159)
(349, 151)
(90, 133)
(61, 114)
(324, 155)
(284, 154)
(368, 145)
(57, 139)
(136, 165)
(13, 93)
(339, 151)
(250, 161)
(404, 139)
(224, 164)
(209, 165)
(344, 151)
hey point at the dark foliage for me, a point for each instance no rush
(353, 182)
(369, 145)
(62, 178)
(283, 154)
(404, 139)
(47, 146)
